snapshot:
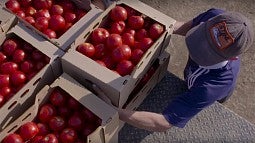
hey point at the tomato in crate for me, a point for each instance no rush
(19, 62)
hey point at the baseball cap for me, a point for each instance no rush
(220, 38)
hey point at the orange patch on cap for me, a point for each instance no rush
(220, 35)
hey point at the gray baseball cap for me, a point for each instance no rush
(220, 38)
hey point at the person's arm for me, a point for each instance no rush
(181, 28)
(144, 120)
(141, 119)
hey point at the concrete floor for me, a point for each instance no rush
(243, 100)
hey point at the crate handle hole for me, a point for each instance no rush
(140, 65)
(37, 81)
(86, 35)
(148, 54)
(12, 128)
(26, 117)
(24, 93)
(95, 25)
(156, 45)
(12, 105)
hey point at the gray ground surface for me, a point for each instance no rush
(243, 100)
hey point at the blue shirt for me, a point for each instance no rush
(205, 86)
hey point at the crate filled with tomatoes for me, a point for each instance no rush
(116, 50)
(65, 112)
(25, 66)
(154, 75)
(59, 21)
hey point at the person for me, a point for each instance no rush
(215, 39)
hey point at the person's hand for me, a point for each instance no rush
(101, 94)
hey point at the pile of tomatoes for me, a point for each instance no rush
(122, 40)
(62, 119)
(19, 62)
(51, 17)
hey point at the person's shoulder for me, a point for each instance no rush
(215, 11)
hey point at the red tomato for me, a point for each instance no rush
(18, 78)
(18, 56)
(68, 135)
(39, 65)
(67, 5)
(136, 56)
(28, 47)
(57, 22)
(13, 5)
(100, 51)
(146, 44)
(42, 13)
(37, 55)
(124, 67)
(25, 3)
(86, 49)
(57, 98)
(76, 122)
(4, 80)
(43, 129)
(118, 13)
(50, 33)
(70, 17)
(156, 30)
(120, 53)
(99, 35)
(36, 139)
(21, 14)
(2, 57)
(140, 34)
(109, 62)
(135, 22)
(41, 23)
(31, 75)
(26, 66)
(30, 11)
(131, 11)
(73, 103)
(5, 91)
(8, 67)
(88, 115)
(50, 138)
(57, 123)
(28, 130)
(113, 41)
(129, 30)
(13, 138)
(80, 13)
(64, 111)
(9, 46)
(2, 100)
(46, 112)
(118, 27)
(30, 20)
(128, 39)
(56, 10)
(42, 4)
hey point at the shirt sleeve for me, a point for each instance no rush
(186, 106)
(206, 15)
